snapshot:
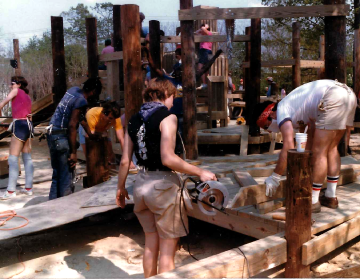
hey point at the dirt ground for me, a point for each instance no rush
(111, 244)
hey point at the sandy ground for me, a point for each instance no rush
(111, 244)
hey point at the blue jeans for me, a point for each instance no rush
(62, 175)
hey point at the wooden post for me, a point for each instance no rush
(117, 43)
(356, 68)
(188, 83)
(92, 47)
(133, 84)
(246, 72)
(335, 45)
(17, 57)
(58, 56)
(321, 71)
(96, 161)
(296, 71)
(298, 211)
(154, 35)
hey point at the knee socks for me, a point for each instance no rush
(29, 170)
(331, 186)
(13, 172)
(316, 192)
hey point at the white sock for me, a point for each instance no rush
(315, 192)
(331, 186)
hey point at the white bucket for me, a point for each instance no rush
(301, 140)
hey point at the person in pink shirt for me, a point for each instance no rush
(107, 49)
(204, 52)
(22, 132)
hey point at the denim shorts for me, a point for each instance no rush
(22, 129)
(204, 55)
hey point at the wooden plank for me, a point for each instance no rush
(41, 103)
(265, 207)
(234, 96)
(350, 272)
(244, 178)
(244, 141)
(312, 64)
(357, 59)
(265, 12)
(204, 38)
(273, 63)
(217, 78)
(260, 255)
(114, 56)
(321, 71)
(329, 241)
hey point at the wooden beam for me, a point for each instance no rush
(58, 57)
(329, 241)
(321, 71)
(298, 211)
(117, 43)
(17, 57)
(92, 47)
(204, 38)
(118, 55)
(357, 61)
(265, 12)
(133, 83)
(154, 36)
(247, 80)
(217, 78)
(244, 178)
(312, 64)
(296, 70)
(189, 83)
(260, 255)
(288, 63)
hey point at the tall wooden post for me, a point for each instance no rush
(58, 56)
(321, 71)
(92, 47)
(335, 45)
(247, 80)
(356, 67)
(188, 83)
(133, 84)
(154, 35)
(296, 71)
(255, 74)
(298, 211)
(17, 57)
(117, 43)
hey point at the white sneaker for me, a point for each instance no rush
(6, 195)
(26, 192)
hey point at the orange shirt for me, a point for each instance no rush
(98, 122)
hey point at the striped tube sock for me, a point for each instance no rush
(316, 192)
(331, 186)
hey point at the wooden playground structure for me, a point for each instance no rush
(285, 234)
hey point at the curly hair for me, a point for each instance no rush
(111, 107)
(22, 81)
(159, 89)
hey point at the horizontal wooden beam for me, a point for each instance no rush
(312, 64)
(265, 12)
(329, 241)
(114, 56)
(217, 78)
(261, 255)
(205, 38)
(288, 63)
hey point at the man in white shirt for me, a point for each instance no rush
(328, 108)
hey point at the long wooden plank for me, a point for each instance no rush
(329, 241)
(244, 178)
(288, 63)
(205, 38)
(260, 255)
(118, 55)
(265, 12)
(312, 64)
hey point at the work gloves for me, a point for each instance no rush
(272, 182)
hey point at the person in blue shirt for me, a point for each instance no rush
(61, 135)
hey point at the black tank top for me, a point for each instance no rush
(146, 137)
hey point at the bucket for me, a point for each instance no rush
(301, 140)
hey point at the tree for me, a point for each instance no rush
(104, 17)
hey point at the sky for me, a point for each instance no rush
(22, 19)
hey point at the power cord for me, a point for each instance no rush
(247, 263)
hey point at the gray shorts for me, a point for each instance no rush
(336, 109)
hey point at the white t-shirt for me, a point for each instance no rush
(301, 104)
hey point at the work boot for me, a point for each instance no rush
(329, 202)
(316, 208)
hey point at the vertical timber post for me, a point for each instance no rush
(296, 71)
(58, 56)
(298, 211)
(188, 81)
(246, 71)
(133, 84)
(357, 48)
(17, 57)
(117, 43)
(321, 71)
(154, 35)
(92, 47)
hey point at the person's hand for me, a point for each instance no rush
(207, 175)
(120, 197)
(132, 166)
(72, 160)
(272, 182)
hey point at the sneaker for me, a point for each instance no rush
(316, 207)
(26, 192)
(329, 202)
(6, 195)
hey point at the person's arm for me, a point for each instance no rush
(74, 120)
(123, 171)
(8, 98)
(120, 137)
(168, 128)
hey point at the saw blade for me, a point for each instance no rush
(212, 198)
